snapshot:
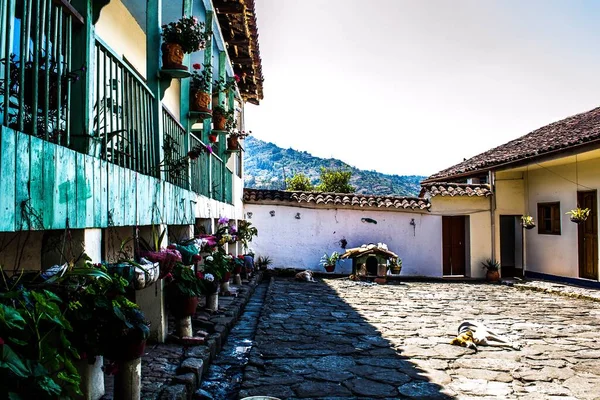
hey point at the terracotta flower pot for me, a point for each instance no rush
(183, 306)
(492, 276)
(219, 122)
(126, 348)
(233, 143)
(329, 268)
(172, 56)
(200, 101)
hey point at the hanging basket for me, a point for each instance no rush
(578, 220)
(528, 226)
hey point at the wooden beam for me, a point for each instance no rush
(69, 9)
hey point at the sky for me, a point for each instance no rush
(413, 87)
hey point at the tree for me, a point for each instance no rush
(299, 182)
(335, 181)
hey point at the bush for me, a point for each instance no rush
(335, 181)
(299, 182)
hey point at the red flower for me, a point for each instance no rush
(199, 275)
(236, 77)
(1, 341)
(172, 247)
(192, 154)
(197, 66)
(196, 258)
(212, 138)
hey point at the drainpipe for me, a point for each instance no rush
(492, 180)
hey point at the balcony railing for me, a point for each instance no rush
(36, 68)
(200, 178)
(228, 186)
(175, 160)
(123, 121)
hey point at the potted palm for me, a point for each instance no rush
(527, 222)
(329, 262)
(396, 266)
(579, 215)
(493, 270)
(179, 38)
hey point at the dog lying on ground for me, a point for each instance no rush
(306, 276)
(471, 334)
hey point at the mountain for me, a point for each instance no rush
(266, 166)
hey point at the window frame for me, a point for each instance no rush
(555, 218)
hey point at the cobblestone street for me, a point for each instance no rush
(342, 339)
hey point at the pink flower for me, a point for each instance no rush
(172, 247)
(197, 66)
(236, 77)
(209, 149)
(197, 258)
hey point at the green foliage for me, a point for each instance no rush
(184, 282)
(265, 166)
(579, 214)
(201, 77)
(335, 181)
(245, 232)
(299, 182)
(491, 265)
(263, 262)
(188, 32)
(36, 356)
(330, 260)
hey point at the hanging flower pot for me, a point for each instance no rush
(579, 215)
(172, 56)
(200, 101)
(219, 121)
(233, 143)
(527, 222)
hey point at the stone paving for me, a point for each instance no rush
(342, 339)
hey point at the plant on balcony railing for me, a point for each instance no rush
(51, 95)
(182, 37)
(223, 85)
(200, 88)
(223, 119)
(176, 167)
(233, 141)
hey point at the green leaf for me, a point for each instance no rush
(18, 341)
(11, 317)
(14, 396)
(90, 272)
(12, 361)
(48, 385)
(52, 296)
(119, 314)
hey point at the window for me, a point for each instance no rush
(549, 218)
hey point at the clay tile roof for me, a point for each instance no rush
(337, 199)
(237, 20)
(456, 189)
(564, 135)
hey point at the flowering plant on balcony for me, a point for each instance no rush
(200, 87)
(197, 150)
(188, 33)
(245, 232)
(225, 85)
(223, 119)
(184, 282)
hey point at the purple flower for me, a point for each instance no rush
(209, 149)
(223, 220)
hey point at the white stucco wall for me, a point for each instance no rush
(478, 232)
(558, 254)
(300, 243)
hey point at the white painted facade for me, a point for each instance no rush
(558, 181)
(300, 243)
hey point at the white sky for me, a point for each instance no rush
(413, 87)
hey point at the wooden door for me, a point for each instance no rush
(587, 236)
(453, 243)
(507, 245)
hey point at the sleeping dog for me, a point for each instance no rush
(471, 334)
(306, 276)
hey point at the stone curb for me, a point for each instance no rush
(573, 295)
(197, 359)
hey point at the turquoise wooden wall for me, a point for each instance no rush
(46, 186)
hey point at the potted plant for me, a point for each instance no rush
(183, 289)
(263, 262)
(493, 270)
(395, 266)
(329, 262)
(181, 37)
(222, 119)
(200, 88)
(233, 143)
(579, 215)
(527, 222)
